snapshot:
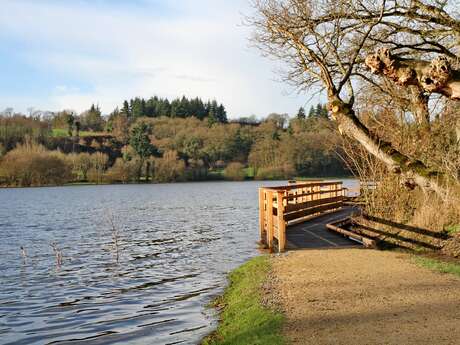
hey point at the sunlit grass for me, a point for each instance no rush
(453, 229)
(62, 132)
(244, 320)
(438, 265)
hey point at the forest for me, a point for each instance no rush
(156, 140)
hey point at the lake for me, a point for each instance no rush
(176, 242)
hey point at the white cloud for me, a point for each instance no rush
(193, 48)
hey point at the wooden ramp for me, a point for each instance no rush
(314, 234)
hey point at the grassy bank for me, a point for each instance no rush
(438, 265)
(244, 320)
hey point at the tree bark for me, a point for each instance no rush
(436, 76)
(414, 172)
(419, 105)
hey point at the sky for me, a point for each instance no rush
(68, 54)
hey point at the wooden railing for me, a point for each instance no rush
(282, 206)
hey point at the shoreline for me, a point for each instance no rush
(79, 184)
(269, 300)
(244, 317)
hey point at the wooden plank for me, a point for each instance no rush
(296, 207)
(261, 214)
(281, 223)
(370, 243)
(312, 210)
(297, 186)
(269, 213)
(317, 192)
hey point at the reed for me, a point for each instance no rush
(24, 255)
(57, 253)
(115, 235)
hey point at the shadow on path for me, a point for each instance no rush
(313, 234)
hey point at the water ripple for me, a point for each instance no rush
(176, 244)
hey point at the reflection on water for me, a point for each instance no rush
(177, 241)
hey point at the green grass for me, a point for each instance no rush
(249, 172)
(244, 320)
(438, 265)
(62, 132)
(453, 229)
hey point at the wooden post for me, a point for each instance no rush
(269, 213)
(281, 222)
(262, 214)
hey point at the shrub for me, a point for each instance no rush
(122, 171)
(99, 162)
(169, 168)
(234, 171)
(80, 165)
(275, 173)
(30, 164)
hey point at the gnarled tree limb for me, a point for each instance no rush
(436, 76)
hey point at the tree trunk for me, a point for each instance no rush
(139, 171)
(414, 172)
(147, 172)
(419, 107)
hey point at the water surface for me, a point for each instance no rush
(176, 244)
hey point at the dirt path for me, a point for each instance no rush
(357, 296)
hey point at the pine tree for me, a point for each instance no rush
(319, 110)
(92, 119)
(137, 107)
(311, 112)
(140, 142)
(301, 114)
(221, 114)
(126, 110)
(212, 113)
(325, 112)
(70, 123)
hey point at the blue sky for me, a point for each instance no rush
(67, 54)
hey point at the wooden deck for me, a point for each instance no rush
(295, 216)
(313, 234)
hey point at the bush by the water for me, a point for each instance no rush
(31, 164)
(123, 171)
(235, 171)
(275, 173)
(169, 168)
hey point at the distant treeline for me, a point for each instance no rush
(179, 107)
(65, 148)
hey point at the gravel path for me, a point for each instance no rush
(358, 296)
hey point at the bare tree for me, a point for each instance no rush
(332, 44)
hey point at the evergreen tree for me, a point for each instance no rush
(183, 109)
(301, 114)
(212, 113)
(140, 142)
(221, 114)
(70, 123)
(179, 107)
(137, 107)
(164, 108)
(311, 112)
(92, 119)
(319, 110)
(324, 112)
(126, 110)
